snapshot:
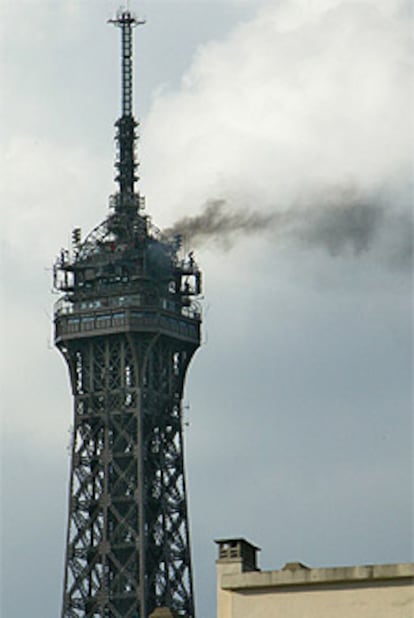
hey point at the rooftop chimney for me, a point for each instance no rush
(238, 551)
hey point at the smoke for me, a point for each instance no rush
(304, 109)
(338, 222)
(221, 224)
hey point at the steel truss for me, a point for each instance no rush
(128, 547)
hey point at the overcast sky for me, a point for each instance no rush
(290, 124)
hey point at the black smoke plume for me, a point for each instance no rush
(220, 224)
(337, 222)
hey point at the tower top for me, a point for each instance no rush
(126, 164)
(126, 21)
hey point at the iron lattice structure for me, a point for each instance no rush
(127, 325)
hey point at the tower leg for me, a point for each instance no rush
(128, 539)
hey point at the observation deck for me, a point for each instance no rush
(126, 278)
(98, 318)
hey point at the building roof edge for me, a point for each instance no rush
(365, 574)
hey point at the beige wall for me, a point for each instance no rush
(361, 592)
(379, 602)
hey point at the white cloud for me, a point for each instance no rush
(305, 95)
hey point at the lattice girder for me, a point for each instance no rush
(127, 510)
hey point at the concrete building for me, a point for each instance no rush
(298, 591)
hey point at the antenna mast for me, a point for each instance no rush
(126, 164)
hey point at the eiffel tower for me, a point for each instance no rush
(127, 324)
